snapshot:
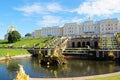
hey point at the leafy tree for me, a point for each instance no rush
(28, 35)
(49, 35)
(13, 36)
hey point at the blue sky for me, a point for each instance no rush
(29, 15)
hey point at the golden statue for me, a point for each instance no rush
(111, 54)
(21, 74)
(55, 53)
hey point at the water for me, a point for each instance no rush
(73, 68)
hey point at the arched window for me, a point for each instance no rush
(78, 44)
(83, 44)
(96, 44)
(73, 44)
(88, 44)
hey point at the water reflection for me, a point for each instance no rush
(12, 68)
(73, 68)
(49, 71)
(76, 68)
(85, 68)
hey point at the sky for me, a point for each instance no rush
(30, 15)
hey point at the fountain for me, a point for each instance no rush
(54, 58)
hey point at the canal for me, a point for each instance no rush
(73, 68)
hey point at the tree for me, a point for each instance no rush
(28, 35)
(13, 36)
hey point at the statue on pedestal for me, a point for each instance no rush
(21, 74)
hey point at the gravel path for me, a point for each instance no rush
(79, 78)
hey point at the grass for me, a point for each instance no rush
(24, 43)
(13, 52)
(116, 77)
(27, 42)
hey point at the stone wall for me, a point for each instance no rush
(83, 42)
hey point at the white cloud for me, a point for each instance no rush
(75, 19)
(99, 7)
(38, 8)
(49, 20)
(54, 7)
(30, 9)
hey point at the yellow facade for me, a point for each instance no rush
(37, 33)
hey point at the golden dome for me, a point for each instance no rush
(12, 28)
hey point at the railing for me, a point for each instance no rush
(76, 51)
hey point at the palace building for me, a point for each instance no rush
(51, 31)
(87, 28)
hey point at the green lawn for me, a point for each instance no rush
(27, 42)
(24, 43)
(116, 77)
(13, 52)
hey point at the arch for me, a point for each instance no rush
(73, 44)
(96, 44)
(83, 44)
(78, 44)
(88, 43)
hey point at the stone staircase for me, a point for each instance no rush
(75, 51)
(58, 45)
(56, 41)
(108, 43)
